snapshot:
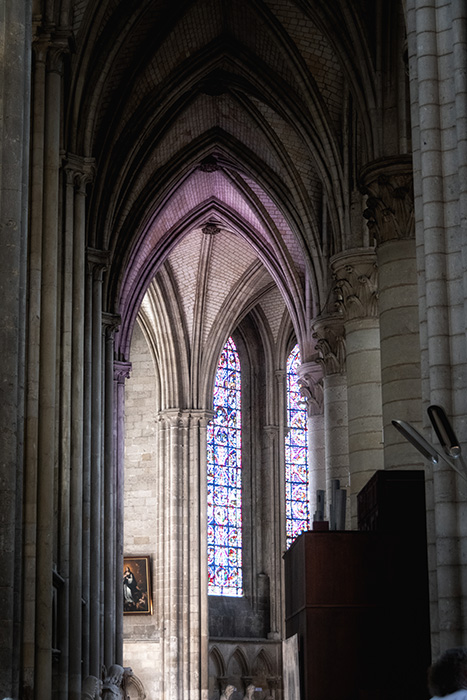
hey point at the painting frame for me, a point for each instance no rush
(137, 585)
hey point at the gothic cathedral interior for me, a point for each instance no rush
(234, 279)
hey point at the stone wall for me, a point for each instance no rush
(142, 649)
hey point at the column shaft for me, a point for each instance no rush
(109, 496)
(356, 282)
(121, 372)
(329, 332)
(15, 75)
(96, 503)
(32, 384)
(47, 385)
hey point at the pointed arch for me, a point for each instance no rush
(238, 664)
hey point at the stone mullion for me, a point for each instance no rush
(47, 379)
(121, 372)
(355, 273)
(311, 381)
(330, 344)
(15, 76)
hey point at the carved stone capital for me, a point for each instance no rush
(110, 324)
(388, 185)
(356, 283)
(121, 371)
(329, 333)
(49, 46)
(98, 261)
(79, 171)
(174, 418)
(311, 387)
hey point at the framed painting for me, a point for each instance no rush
(137, 593)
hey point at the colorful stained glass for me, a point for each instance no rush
(224, 478)
(296, 454)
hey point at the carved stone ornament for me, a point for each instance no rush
(209, 165)
(329, 333)
(388, 185)
(211, 228)
(356, 283)
(311, 387)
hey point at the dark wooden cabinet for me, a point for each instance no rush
(359, 604)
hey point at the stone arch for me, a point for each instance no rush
(238, 665)
(134, 688)
(262, 665)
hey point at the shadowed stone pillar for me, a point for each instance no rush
(78, 175)
(330, 344)
(390, 214)
(311, 386)
(48, 380)
(98, 263)
(15, 76)
(111, 323)
(355, 272)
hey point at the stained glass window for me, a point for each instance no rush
(224, 466)
(296, 454)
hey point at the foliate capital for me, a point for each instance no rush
(388, 185)
(329, 333)
(311, 387)
(355, 276)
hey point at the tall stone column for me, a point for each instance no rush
(49, 337)
(390, 214)
(311, 385)
(440, 206)
(330, 344)
(274, 539)
(78, 175)
(111, 323)
(121, 373)
(40, 50)
(98, 262)
(15, 76)
(181, 559)
(355, 272)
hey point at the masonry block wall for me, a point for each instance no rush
(141, 649)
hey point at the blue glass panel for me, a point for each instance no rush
(296, 454)
(224, 479)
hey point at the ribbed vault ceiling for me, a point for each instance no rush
(238, 113)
